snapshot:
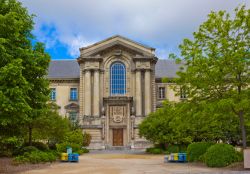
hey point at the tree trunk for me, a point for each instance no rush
(243, 129)
(30, 135)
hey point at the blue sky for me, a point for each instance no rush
(66, 25)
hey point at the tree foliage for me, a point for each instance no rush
(23, 69)
(217, 63)
(216, 78)
(186, 122)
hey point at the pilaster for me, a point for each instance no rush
(147, 92)
(96, 97)
(87, 92)
(138, 93)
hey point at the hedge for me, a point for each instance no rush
(195, 151)
(221, 155)
(36, 156)
(62, 147)
(154, 150)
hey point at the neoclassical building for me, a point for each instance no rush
(111, 88)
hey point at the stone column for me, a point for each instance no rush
(87, 93)
(96, 97)
(103, 126)
(138, 93)
(147, 92)
(81, 93)
(132, 127)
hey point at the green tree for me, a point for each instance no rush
(157, 126)
(23, 68)
(35, 73)
(51, 127)
(186, 122)
(217, 65)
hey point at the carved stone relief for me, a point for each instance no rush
(117, 114)
(143, 65)
(92, 65)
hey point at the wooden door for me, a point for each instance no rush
(117, 137)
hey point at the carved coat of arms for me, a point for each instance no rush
(117, 114)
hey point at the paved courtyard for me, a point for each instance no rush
(127, 162)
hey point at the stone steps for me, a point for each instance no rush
(118, 147)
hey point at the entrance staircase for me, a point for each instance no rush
(118, 147)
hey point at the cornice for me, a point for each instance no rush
(145, 59)
(82, 59)
(92, 70)
(62, 80)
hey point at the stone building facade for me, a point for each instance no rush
(111, 88)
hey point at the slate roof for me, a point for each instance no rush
(67, 69)
(166, 68)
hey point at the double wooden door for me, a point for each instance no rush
(117, 137)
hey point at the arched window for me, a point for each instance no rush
(117, 79)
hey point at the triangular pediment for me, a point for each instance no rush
(114, 41)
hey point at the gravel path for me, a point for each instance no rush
(120, 162)
(8, 167)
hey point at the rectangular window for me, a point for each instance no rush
(162, 93)
(73, 94)
(183, 94)
(73, 117)
(52, 93)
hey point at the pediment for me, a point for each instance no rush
(117, 40)
(72, 106)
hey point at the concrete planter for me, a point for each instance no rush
(247, 158)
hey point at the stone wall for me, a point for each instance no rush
(63, 93)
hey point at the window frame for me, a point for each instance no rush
(70, 116)
(161, 92)
(118, 79)
(53, 94)
(71, 98)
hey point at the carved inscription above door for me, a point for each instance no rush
(117, 114)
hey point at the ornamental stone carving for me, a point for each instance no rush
(117, 114)
(92, 65)
(143, 65)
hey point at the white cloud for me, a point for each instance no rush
(74, 43)
(156, 23)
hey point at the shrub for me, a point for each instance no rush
(221, 155)
(195, 151)
(173, 148)
(154, 150)
(176, 148)
(52, 146)
(83, 150)
(183, 148)
(39, 145)
(239, 156)
(36, 157)
(62, 147)
(86, 139)
(8, 145)
(27, 149)
(75, 137)
(21, 159)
